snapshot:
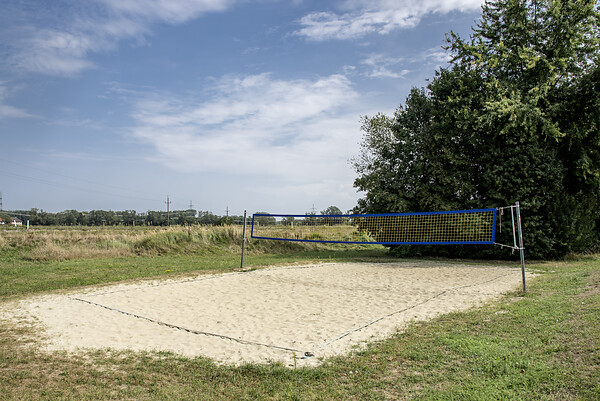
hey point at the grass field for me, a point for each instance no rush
(540, 346)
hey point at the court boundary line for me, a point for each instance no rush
(306, 354)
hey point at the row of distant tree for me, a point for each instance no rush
(125, 217)
(129, 217)
(289, 220)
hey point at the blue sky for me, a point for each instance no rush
(115, 104)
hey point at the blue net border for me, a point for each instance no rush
(490, 242)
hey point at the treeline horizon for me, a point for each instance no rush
(72, 217)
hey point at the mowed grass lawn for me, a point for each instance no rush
(543, 345)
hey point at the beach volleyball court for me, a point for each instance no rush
(293, 314)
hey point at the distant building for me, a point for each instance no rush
(2, 221)
(16, 221)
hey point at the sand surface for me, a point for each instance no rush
(272, 314)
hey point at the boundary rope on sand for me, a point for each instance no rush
(306, 354)
(173, 326)
(404, 310)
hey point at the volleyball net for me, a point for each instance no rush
(476, 226)
(460, 227)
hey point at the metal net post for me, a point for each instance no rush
(521, 248)
(243, 241)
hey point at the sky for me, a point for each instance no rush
(227, 105)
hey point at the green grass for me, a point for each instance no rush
(543, 345)
(18, 277)
(53, 259)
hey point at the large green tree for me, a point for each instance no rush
(332, 210)
(515, 117)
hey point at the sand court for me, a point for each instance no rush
(275, 314)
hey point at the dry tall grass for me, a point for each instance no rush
(48, 244)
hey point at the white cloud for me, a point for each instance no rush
(362, 17)
(256, 125)
(381, 66)
(327, 25)
(170, 11)
(55, 52)
(64, 49)
(378, 65)
(7, 111)
(435, 55)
